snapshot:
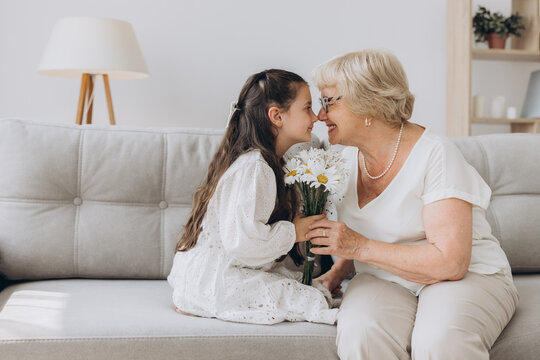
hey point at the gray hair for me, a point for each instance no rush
(372, 83)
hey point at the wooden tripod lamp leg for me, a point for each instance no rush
(82, 98)
(90, 107)
(109, 98)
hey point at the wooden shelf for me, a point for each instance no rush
(506, 55)
(504, 121)
(461, 54)
(516, 125)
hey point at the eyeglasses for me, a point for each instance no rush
(326, 102)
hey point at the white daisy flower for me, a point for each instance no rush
(317, 173)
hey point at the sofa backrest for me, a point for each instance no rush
(110, 202)
(510, 164)
(96, 201)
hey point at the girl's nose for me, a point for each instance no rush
(314, 117)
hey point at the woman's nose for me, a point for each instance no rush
(322, 116)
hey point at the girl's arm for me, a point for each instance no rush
(245, 202)
(343, 267)
(333, 278)
(448, 226)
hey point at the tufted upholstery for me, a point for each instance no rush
(97, 201)
(110, 202)
(93, 201)
(514, 212)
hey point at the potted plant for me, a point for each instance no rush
(496, 28)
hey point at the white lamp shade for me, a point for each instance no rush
(81, 45)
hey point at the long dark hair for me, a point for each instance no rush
(250, 128)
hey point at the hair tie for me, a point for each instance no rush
(234, 108)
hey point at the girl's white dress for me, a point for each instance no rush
(231, 273)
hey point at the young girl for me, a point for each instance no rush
(244, 218)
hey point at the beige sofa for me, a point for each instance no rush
(89, 217)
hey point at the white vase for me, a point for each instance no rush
(479, 106)
(497, 107)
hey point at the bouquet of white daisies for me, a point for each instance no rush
(317, 173)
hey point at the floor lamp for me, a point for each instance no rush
(88, 48)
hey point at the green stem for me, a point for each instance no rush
(307, 277)
(314, 200)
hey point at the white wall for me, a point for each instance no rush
(199, 53)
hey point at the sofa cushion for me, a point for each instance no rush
(98, 319)
(135, 319)
(519, 340)
(95, 201)
(509, 163)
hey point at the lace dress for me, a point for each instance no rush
(231, 273)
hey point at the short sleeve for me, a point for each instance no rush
(245, 201)
(449, 175)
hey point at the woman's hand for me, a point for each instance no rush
(331, 280)
(337, 238)
(302, 223)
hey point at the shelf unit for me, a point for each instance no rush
(460, 55)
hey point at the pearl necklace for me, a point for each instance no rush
(391, 161)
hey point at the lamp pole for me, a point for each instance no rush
(86, 99)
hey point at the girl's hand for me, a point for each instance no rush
(332, 281)
(337, 239)
(302, 223)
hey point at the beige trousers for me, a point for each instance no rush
(448, 320)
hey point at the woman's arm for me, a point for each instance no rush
(448, 226)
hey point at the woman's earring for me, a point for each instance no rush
(368, 122)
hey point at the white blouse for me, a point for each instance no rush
(231, 273)
(434, 170)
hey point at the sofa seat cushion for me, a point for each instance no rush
(135, 319)
(519, 340)
(80, 318)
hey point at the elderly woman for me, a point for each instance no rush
(431, 280)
